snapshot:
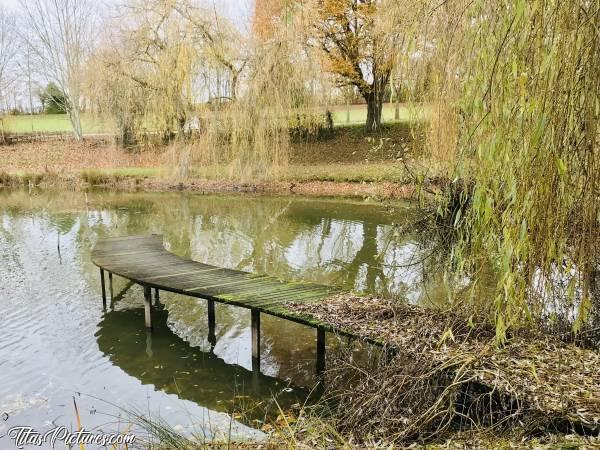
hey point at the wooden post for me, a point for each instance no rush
(149, 343)
(156, 297)
(255, 340)
(320, 351)
(212, 337)
(148, 307)
(103, 288)
(389, 353)
(110, 286)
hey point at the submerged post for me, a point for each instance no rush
(149, 343)
(103, 288)
(148, 307)
(212, 337)
(320, 351)
(255, 340)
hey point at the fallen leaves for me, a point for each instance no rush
(554, 379)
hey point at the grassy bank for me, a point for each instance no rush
(152, 180)
(347, 163)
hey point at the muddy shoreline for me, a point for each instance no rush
(383, 191)
(372, 190)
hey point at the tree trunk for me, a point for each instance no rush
(374, 110)
(397, 112)
(234, 84)
(75, 120)
(348, 110)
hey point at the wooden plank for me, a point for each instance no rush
(178, 274)
(222, 285)
(144, 260)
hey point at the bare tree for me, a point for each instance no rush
(25, 68)
(8, 50)
(219, 40)
(60, 35)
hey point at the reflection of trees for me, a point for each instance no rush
(366, 258)
(340, 243)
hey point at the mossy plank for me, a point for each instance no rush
(144, 260)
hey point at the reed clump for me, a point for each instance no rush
(28, 179)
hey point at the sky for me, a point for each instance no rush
(238, 11)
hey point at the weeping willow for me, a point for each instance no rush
(280, 91)
(140, 76)
(515, 88)
(172, 63)
(529, 142)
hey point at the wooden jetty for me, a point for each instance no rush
(145, 261)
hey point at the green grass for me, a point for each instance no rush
(349, 173)
(92, 124)
(358, 113)
(140, 172)
(51, 123)
(340, 173)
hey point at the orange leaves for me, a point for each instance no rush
(266, 14)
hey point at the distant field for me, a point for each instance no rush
(92, 124)
(51, 123)
(358, 113)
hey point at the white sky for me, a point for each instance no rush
(238, 11)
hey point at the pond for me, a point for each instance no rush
(57, 342)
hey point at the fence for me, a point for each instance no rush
(48, 136)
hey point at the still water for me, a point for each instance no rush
(56, 342)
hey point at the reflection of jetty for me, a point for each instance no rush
(169, 363)
(144, 260)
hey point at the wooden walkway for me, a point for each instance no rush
(144, 260)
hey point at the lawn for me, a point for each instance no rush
(358, 113)
(51, 123)
(92, 124)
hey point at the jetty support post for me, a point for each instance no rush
(103, 288)
(148, 307)
(110, 287)
(320, 351)
(212, 336)
(149, 352)
(156, 298)
(255, 314)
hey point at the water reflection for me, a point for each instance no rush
(169, 364)
(54, 323)
(349, 244)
